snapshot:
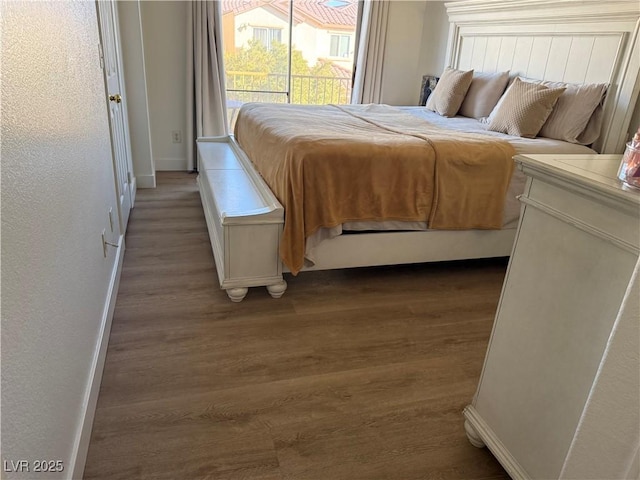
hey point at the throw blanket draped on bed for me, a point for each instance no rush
(330, 164)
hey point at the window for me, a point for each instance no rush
(339, 46)
(267, 36)
(296, 67)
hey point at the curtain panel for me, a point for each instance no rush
(206, 91)
(367, 85)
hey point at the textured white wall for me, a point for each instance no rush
(164, 28)
(57, 186)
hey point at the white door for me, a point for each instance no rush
(120, 144)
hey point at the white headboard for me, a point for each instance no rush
(575, 41)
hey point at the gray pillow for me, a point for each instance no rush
(483, 94)
(449, 92)
(572, 112)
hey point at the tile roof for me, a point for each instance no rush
(324, 13)
(327, 13)
(238, 6)
(339, 71)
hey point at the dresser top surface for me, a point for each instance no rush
(596, 172)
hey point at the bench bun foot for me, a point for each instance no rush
(278, 289)
(472, 435)
(237, 294)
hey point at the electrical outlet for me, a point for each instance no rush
(176, 136)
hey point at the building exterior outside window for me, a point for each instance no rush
(267, 36)
(340, 46)
(288, 51)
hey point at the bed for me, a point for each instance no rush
(247, 221)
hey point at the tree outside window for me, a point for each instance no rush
(258, 69)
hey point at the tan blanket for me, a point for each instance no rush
(333, 164)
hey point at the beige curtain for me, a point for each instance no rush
(367, 85)
(206, 91)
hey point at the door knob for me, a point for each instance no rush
(115, 98)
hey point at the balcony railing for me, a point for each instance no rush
(245, 87)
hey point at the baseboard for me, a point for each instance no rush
(146, 181)
(171, 164)
(83, 435)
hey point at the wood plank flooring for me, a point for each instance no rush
(353, 374)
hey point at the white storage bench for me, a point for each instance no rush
(244, 219)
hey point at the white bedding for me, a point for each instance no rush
(522, 145)
(462, 124)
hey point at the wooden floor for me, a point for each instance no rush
(353, 374)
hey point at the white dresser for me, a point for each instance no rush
(559, 394)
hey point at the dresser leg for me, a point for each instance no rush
(237, 294)
(472, 435)
(277, 290)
